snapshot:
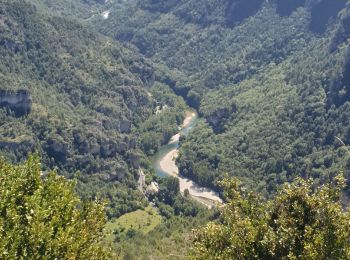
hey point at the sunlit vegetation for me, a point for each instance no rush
(42, 217)
(271, 86)
(89, 101)
(142, 221)
(98, 97)
(161, 232)
(301, 222)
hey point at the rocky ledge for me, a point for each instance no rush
(19, 102)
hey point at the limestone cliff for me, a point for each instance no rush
(18, 102)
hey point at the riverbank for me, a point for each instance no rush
(167, 165)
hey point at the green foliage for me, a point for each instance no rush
(77, 9)
(271, 93)
(168, 190)
(42, 218)
(301, 222)
(88, 94)
(193, 40)
(143, 221)
(163, 124)
(171, 203)
(171, 239)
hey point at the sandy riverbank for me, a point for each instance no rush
(189, 117)
(168, 165)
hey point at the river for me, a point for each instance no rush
(164, 164)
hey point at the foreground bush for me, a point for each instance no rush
(301, 222)
(42, 218)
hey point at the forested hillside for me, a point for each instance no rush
(98, 87)
(269, 78)
(77, 9)
(76, 97)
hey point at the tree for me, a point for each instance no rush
(42, 218)
(172, 185)
(301, 222)
(169, 189)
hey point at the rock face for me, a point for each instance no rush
(57, 148)
(18, 102)
(217, 118)
(26, 143)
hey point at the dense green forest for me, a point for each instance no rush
(269, 80)
(98, 87)
(90, 106)
(81, 100)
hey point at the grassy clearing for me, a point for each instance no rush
(140, 220)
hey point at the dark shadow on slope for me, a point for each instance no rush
(287, 7)
(342, 34)
(322, 12)
(238, 10)
(158, 5)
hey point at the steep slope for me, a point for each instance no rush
(205, 43)
(78, 9)
(75, 96)
(92, 108)
(269, 78)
